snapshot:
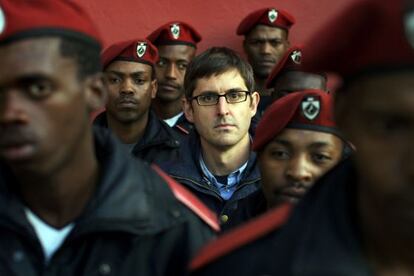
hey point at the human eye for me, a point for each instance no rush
(235, 96)
(161, 63)
(321, 158)
(275, 42)
(255, 42)
(140, 81)
(113, 79)
(208, 98)
(182, 66)
(279, 154)
(38, 88)
(390, 125)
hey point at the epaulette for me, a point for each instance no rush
(190, 200)
(243, 235)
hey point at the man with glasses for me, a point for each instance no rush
(217, 163)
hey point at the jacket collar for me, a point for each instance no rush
(190, 163)
(156, 132)
(128, 195)
(330, 244)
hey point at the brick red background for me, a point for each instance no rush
(216, 20)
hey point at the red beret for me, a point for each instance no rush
(291, 60)
(173, 33)
(307, 109)
(268, 16)
(21, 19)
(136, 50)
(370, 35)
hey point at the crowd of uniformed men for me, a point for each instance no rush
(206, 163)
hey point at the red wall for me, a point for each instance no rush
(216, 20)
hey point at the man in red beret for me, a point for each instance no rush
(73, 202)
(266, 39)
(288, 75)
(177, 44)
(357, 219)
(296, 142)
(129, 72)
(301, 146)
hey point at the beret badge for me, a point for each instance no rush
(311, 107)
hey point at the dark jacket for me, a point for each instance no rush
(159, 143)
(321, 237)
(188, 172)
(133, 225)
(183, 127)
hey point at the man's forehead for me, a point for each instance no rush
(36, 55)
(385, 92)
(262, 31)
(292, 136)
(223, 82)
(297, 80)
(128, 67)
(176, 52)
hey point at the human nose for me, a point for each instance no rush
(222, 106)
(171, 71)
(12, 108)
(127, 87)
(299, 170)
(266, 48)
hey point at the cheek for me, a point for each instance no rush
(160, 72)
(272, 173)
(63, 121)
(379, 168)
(112, 92)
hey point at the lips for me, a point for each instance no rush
(15, 145)
(127, 102)
(224, 126)
(17, 152)
(267, 63)
(293, 193)
(168, 86)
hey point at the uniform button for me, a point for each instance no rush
(105, 269)
(175, 213)
(176, 143)
(18, 256)
(224, 218)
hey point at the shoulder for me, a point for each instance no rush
(183, 126)
(100, 120)
(190, 200)
(242, 236)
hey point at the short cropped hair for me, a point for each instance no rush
(216, 61)
(86, 56)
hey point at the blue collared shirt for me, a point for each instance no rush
(226, 191)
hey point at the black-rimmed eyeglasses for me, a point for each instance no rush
(213, 98)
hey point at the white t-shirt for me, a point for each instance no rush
(50, 238)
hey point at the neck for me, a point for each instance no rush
(166, 110)
(59, 195)
(223, 161)
(128, 133)
(260, 86)
(387, 235)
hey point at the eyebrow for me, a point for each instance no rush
(181, 60)
(281, 141)
(32, 78)
(225, 92)
(121, 74)
(318, 144)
